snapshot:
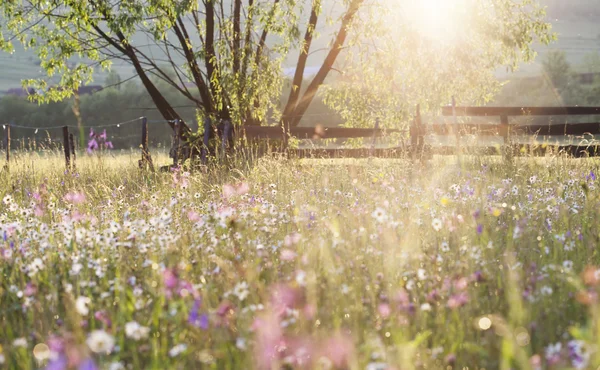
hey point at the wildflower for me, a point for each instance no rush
(100, 341)
(379, 215)
(591, 276)
(102, 316)
(339, 349)
(241, 290)
(421, 274)
(177, 350)
(233, 190)
(553, 353)
(7, 200)
(20, 342)
(36, 266)
(384, 310)
(457, 300)
(287, 255)
(444, 247)
(116, 366)
(376, 366)
(546, 290)
(268, 337)
(87, 364)
(578, 355)
(437, 224)
(291, 239)
(170, 278)
(240, 343)
(568, 265)
(425, 307)
(135, 331)
(435, 352)
(75, 197)
(301, 278)
(81, 305)
(591, 176)
(195, 318)
(76, 268)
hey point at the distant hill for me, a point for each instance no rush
(576, 24)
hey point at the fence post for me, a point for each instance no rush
(456, 128)
(205, 153)
(227, 140)
(72, 146)
(66, 147)
(146, 158)
(7, 143)
(374, 142)
(505, 133)
(417, 140)
(176, 144)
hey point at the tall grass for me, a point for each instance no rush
(332, 264)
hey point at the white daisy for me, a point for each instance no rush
(81, 305)
(100, 341)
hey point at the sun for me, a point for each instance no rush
(437, 20)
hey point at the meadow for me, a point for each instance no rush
(300, 264)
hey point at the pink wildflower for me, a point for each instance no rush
(339, 349)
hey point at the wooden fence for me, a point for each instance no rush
(497, 124)
(417, 147)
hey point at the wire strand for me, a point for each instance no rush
(76, 127)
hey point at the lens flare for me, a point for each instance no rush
(438, 20)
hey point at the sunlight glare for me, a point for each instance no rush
(437, 20)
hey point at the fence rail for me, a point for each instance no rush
(520, 111)
(415, 146)
(276, 132)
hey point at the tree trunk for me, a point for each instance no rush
(290, 107)
(327, 65)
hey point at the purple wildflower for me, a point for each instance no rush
(196, 319)
(57, 363)
(88, 364)
(591, 176)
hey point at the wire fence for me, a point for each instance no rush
(46, 128)
(122, 135)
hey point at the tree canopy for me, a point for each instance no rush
(227, 57)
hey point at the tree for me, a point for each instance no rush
(113, 80)
(591, 63)
(427, 57)
(226, 57)
(557, 68)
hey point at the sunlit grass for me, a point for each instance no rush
(333, 264)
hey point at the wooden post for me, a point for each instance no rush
(72, 146)
(505, 133)
(456, 128)
(206, 140)
(177, 129)
(146, 161)
(227, 140)
(7, 142)
(417, 140)
(66, 147)
(374, 142)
